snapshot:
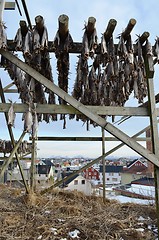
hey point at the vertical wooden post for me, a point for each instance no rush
(32, 169)
(12, 139)
(153, 126)
(103, 161)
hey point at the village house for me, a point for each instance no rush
(112, 174)
(91, 173)
(44, 173)
(133, 171)
(79, 183)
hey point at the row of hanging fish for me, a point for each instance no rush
(7, 147)
(34, 45)
(3, 36)
(62, 47)
(114, 74)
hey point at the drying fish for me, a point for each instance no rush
(89, 42)
(3, 37)
(40, 35)
(35, 126)
(11, 115)
(148, 48)
(156, 48)
(140, 54)
(28, 121)
(122, 50)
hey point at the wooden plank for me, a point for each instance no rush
(83, 109)
(154, 126)
(12, 139)
(9, 6)
(67, 109)
(103, 161)
(6, 163)
(8, 86)
(86, 139)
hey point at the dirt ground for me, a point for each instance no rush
(72, 215)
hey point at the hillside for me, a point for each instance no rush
(71, 215)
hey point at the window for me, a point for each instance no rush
(111, 174)
(114, 179)
(75, 182)
(83, 181)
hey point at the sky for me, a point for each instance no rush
(146, 15)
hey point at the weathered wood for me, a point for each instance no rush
(12, 139)
(80, 107)
(129, 28)
(63, 21)
(87, 139)
(90, 25)
(32, 168)
(110, 28)
(26, 13)
(6, 163)
(67, 109)
(9, 6)
(144, 37)
(153, 125)
(103, 161)
(8, 86)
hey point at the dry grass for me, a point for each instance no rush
(53, 216)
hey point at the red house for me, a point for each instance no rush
(136, 166)
(91, 173)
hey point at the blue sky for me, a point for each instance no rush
(146, 15)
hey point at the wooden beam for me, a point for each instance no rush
(12, 139)
(67, 109)
(9, 6)
(103, 161)
(83, 109)
(154, 125)
(87, 139)
(6, 163)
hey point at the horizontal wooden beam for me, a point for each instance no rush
(67, 109)
(83, 109)
(9, 6)
(79, 139)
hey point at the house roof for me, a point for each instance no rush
(133, 163)
(48, 162)
(43, 169)
(144, 181)
(111, 168)
(66, 174)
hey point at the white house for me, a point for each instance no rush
(112, 174)
(80, 184)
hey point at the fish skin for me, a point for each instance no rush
(28, 121)
(11, 115)
(35, 126)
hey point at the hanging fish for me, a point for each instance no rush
(28, 121)
(35, 126)
(11, 115)
(156, 49)
(122, 49)
(3, 36)
(148, 48)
